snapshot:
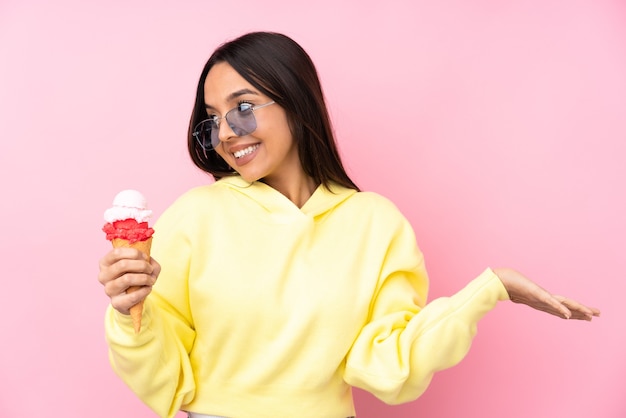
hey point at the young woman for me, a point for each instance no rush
(281, 285)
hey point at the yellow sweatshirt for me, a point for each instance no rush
(263, 309)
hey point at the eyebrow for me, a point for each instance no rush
(234, 95)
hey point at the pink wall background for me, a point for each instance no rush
(498, 128)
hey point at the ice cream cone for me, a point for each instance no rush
(144, 247)
(127, 226)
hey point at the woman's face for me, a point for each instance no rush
(269, 152)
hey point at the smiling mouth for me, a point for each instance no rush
(245, 151)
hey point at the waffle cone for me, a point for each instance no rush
(144, 247)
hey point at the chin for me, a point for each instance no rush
(249, 177)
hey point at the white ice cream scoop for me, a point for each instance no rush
(128, 204)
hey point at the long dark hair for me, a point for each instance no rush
(279, 68)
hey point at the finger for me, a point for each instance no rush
(579, 310)
(115, 263)
(115, 271)
(117, 254)
(591, 310)
(123, 266)
(123, 302)
(120, 285)
(156, 268)
(550, 303)
(558, 308)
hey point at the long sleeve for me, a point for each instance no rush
(155, 363)
(275, 310)
(406, 341)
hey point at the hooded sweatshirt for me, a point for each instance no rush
(263, 309)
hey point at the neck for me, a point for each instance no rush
(298, 190)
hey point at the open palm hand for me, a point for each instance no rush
(523, 290)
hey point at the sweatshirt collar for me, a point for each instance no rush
(321, 201)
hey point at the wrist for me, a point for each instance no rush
(504, 274)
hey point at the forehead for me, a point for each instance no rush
(222, 82)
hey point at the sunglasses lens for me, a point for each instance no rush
(240, 119)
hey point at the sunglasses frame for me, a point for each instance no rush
(197, 130)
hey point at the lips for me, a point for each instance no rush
(241, 154)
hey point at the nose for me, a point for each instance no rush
(224, 131)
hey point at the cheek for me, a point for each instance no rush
(282, 134)
(276, 123)
(220, 151)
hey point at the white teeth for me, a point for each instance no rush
(245, 151)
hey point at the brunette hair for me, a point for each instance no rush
(279, 68)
